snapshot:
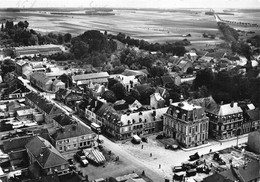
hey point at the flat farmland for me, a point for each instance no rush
(153, 26)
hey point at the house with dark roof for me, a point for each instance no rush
(125, 125)
(91, 109)
(68, 96)
(253, 141)
(248, 172)
(48, 109)
(45, 157)
(70, 135)
(254, 118)
(187, 123)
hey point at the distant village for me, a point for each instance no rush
(59, 119)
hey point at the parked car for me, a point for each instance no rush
(144, 139)
(81, 158)
(191, 172)
(177, 169)
(100, 141)
(194, 157)
(173, 147)
(70, 161)
(160, 136)
(136, 139)
(204, 169)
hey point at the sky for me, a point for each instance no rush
(168, 4)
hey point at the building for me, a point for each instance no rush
(187, 123)
(86, 79)
(41, 81)
(48, 109)
(253, 141)
(226, 121)
(249, 172)
(91, 109)
(22, 66)
(45, 158)
(253, 117)
(70, 135)
(157, 101)
(32, 51)
(57, 84)
(124, 126)
(127, 81)
(69, 96)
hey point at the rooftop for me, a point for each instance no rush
(186, 106)
(90, 76)
(44, 153)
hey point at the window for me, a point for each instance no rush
(195, 138)
(189, 129)
(75, 145)
(60, 148)
(196, 128)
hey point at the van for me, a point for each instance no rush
(136, 139)
(95, 127)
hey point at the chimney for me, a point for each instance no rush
(170, 101)
(96, 103)
(221, 103)
(232, 104)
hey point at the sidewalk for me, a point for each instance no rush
(233, 138)
(198, 147)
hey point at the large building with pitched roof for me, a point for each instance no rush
(86, 79)
(226, 120)
(187, 123)
(44, 157)
(125, 125)
(48, 109)
(71, 135)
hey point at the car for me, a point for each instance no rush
(83, 162)
(70, 161)
(177, 169)
(100, 141)
(72, 167)
(81, 158)
(194, 157)
(144, 139)
(191, 172)
(173, 147)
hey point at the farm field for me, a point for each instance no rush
(153, 26)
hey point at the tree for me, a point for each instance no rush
(119, 90)
(135, 94)
(8, 66)
(111, 83)
(157, 71)
(67, 37)
(204, 77)
(189, 70)
(109, 96)
(66, 79)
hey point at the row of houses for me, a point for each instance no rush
(190, 122)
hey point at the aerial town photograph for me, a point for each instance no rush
(129, 90)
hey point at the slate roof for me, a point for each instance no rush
(167, 79)
(90, 76)
(16, 143)
(40, 77)
(208, 103)
(95, 105)
(43, 104)
(64, 120)
(246, 174)
(44, 153)
(254, 114)
(70, 131)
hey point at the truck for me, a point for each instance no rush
(81, 158)
(136, 139)
(95, 127)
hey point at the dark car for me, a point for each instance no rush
(100, 141)
(81, 158)
(144, 139)
(70, 161)
(177, 169)
(194, 157)
(172, 147)
(191, 172)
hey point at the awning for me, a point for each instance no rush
(95, 156)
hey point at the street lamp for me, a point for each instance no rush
(238, 133)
